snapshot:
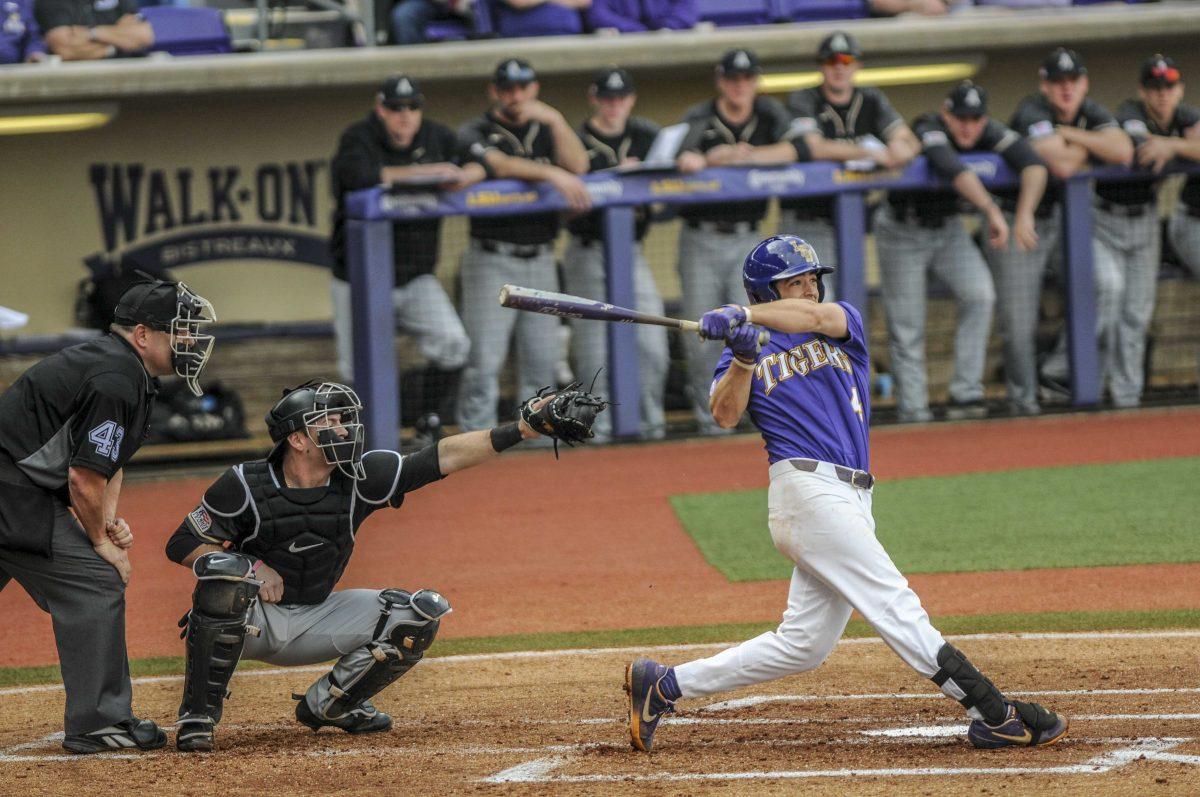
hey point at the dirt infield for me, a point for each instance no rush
(615, 556)
(552, 724)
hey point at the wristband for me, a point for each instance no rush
(746, 310)
(506, 436)
(749, 366)
(254, 567)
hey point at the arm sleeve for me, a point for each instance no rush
(935, 145)
(102, 422)
(1189, 117)
(1130, 119)
(778, 117)
(472, 142)
(856, 340)
(417, 470)
(356, 164)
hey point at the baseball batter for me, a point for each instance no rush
(808, 393)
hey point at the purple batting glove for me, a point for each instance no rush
(743, 342)
(719, 323)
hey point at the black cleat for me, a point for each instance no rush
(365, 718)
(130, 734)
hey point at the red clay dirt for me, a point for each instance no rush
(527, 544)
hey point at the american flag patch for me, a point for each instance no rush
(200, 520)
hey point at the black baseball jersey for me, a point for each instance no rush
(365, 149)
(768, 124)
(305, 535)
(1134, 120)
(532, 141)
(940, 148)
(87, 406)
(867, 113)
(88, 13)
(605, 152)
(1034, 118)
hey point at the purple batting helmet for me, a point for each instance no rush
(780, 257)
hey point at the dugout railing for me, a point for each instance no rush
(369, 248)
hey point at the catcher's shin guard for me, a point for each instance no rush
(958, 678)
(216, 634)
(394, 654)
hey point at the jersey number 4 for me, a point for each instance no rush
(856, 403)
(107, 438)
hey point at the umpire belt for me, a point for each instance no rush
(523, 251)
(723, 227)
(856, 478)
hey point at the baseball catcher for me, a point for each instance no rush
(271, 538)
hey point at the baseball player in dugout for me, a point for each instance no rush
(271, 538)
(68, 425)
(842, 122)
(395, 144)
(1070, 133)
(917, 232)
(521, 138)
(613, 137)
(808, 393)
(737, 127)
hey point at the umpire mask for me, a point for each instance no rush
(334, 425)
(190, 349)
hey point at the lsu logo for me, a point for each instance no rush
(805, 250)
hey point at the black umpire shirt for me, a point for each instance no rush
(1034, 119)
(768, 124)
(1134, 119)
(605, 152)
(87, 406)
(363, 150)
(532, 141)
(867, 113)
(939, 147)
(88, 13)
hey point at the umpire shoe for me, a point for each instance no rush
(1026, 725)
(120, 736)
(646, 702)
(364, 718)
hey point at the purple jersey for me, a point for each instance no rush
(810, 396)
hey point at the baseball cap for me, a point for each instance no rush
(513, 71)
(739, 62)
(1159, 71)
(1062, 63)
(967, 100)
(612, 81)
(153, 302)
(400, 91)
(838, 43)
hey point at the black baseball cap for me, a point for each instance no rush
(1159, 71)
(400, 91)
(612, 81)
(1062, 63)
(739, 62)
(153, 302)
(967, 100)
(838, 43)
(513, 71)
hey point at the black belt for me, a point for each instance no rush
(523, 251)
(723, 227)
(926, 220)
(857, 478)
(1128, 211)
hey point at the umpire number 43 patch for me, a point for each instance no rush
(107, 438)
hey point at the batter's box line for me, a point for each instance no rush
(540, 770)
(756, 700)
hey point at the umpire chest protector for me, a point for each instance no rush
(305, 535)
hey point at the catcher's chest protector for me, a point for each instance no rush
(306, 536)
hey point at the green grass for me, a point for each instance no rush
(702, 634)
(1085, 516)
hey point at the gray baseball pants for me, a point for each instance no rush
(86, 601)
(491, 328)
(423, 310)
(1184, 231)
(907, 253)
(584, 274)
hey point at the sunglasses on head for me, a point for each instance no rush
(845, 59)
(1168, 74)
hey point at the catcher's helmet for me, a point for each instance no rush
(780, 257)
(307, 407)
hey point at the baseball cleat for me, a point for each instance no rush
(1027, 725)
(646, 702)
(121, 736)
(365, 718)
(194, 734)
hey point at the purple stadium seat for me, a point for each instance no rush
(548, 19)
(817, 10)
(734, 12)
(447, 30)
(181, 30)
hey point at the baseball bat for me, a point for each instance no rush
(565, 305)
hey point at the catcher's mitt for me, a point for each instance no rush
(568, 416)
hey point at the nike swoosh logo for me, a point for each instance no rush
(646, 715)
(1025, 738)
(294, 549)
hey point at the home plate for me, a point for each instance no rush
(926, 731)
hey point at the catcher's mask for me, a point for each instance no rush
(329, 414)
(176, 309)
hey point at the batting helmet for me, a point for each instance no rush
(307, 407)
(780, 257)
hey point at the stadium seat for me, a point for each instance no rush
(734, 12)
(817, 10)
(450, 28)
(182, 30)
(548, 19)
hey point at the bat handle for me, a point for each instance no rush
(764, 337)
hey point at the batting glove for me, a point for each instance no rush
(719, 323)
(744, 342)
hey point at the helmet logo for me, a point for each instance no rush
(403, 87)
(839, 43)
(1065, 62)
(615, 83)
(972, 99)
(804, 249)
(741, 60)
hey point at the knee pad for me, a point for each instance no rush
(957, 674)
